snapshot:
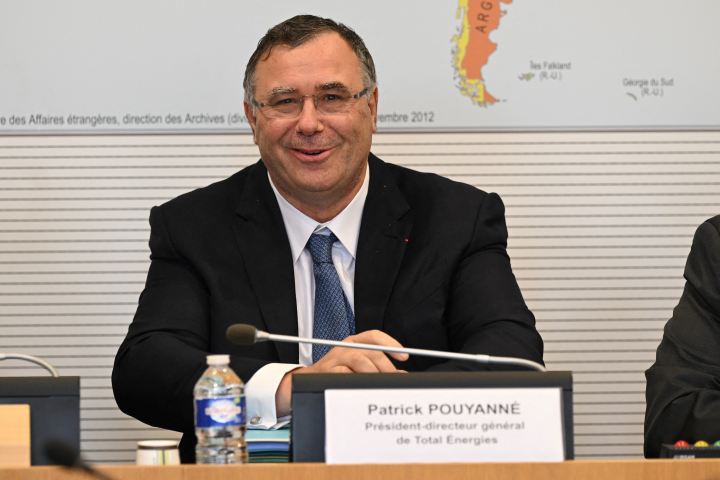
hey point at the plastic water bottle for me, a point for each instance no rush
(220, 414)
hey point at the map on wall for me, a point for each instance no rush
(81, 66)
(473, 46)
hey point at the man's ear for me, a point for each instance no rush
(373, 103)
(251, 119)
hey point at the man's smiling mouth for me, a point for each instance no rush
(309, 152)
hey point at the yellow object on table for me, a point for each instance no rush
(14, 435)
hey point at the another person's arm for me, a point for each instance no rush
(683, 386)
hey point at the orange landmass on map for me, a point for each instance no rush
(483, 17)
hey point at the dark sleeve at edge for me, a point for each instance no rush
(683, 385)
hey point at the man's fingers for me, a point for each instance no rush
(381, 363)
(359, 361)
(376, 337)
(399, 356)
(340, 369)
(341, 359)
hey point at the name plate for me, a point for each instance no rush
(443, 425)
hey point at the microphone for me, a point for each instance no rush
(242, 334)
(66, 455)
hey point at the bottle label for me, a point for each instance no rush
(220, 412)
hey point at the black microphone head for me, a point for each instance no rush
(62, 453)
(242, 334)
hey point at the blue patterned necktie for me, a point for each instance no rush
(334, 318)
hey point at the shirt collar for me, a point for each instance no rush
(345, 226)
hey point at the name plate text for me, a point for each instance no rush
(443, 425)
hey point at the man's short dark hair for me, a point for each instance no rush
(297, 30)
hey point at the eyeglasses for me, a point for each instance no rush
(328, 102)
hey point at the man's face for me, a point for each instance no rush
(314, 157)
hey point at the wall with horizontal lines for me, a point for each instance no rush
(600, 226)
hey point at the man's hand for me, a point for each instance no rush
(345, 360)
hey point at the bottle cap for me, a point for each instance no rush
(218, 359)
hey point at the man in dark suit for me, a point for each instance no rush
(417, 260)
(683, 386)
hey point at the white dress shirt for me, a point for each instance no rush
(260, 389)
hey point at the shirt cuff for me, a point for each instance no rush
(260, 394)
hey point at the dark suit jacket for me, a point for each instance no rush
(431, 271)
(683, 386)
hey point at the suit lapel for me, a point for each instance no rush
(381, 247)
(263, 242)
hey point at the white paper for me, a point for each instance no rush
(443, 425)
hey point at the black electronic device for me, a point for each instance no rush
(691, 451)
(54, 410)
(307, 433)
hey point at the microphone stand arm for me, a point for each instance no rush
(261, 336)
